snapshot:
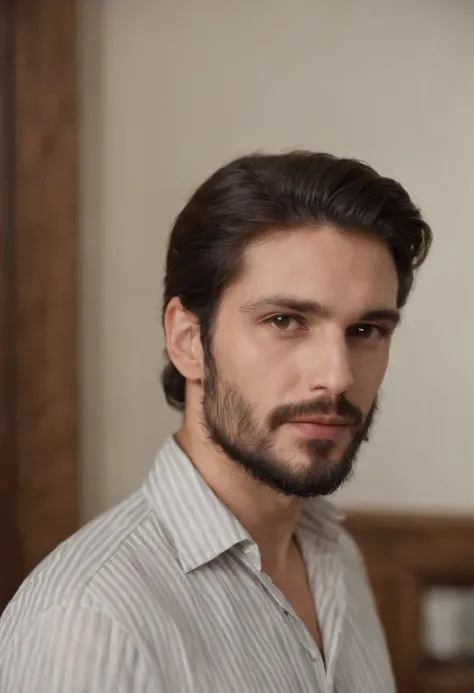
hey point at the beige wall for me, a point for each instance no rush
(170, 90)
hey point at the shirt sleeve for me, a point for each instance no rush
(72, 649)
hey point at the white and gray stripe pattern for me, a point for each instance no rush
(164, 593)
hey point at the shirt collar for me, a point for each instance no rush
(322, 519)
(199, 524)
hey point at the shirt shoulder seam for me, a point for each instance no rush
(17, 639)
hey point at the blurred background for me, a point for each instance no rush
(171, 90)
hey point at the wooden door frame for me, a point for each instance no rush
(38, 283)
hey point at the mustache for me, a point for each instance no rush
(337, 406)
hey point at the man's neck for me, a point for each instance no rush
(270, 518)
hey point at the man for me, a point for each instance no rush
(228, 570)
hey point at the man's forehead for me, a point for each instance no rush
(308, 249)
(302, 264)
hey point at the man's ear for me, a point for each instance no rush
(183, 342)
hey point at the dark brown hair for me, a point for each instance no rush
(257, 193)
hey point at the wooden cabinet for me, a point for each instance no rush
(407, 555)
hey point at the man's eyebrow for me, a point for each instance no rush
(309, 307)
(383, 315)
(299, 305)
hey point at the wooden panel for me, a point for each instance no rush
(405, 555)
(9, 544)
(46, 273)
(38, 301)
(456, 679)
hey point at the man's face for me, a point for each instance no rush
(299, 350)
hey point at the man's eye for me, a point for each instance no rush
(285, 323)
(368, 332)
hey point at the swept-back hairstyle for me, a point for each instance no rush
(257, 193)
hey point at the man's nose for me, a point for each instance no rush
(331, 368)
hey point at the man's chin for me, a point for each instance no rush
(309, 478)
(322, 456)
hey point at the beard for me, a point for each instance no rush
(232, 426)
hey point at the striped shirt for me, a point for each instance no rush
(165, 593)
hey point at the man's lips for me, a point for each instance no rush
(320, 427)
(321, 420)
